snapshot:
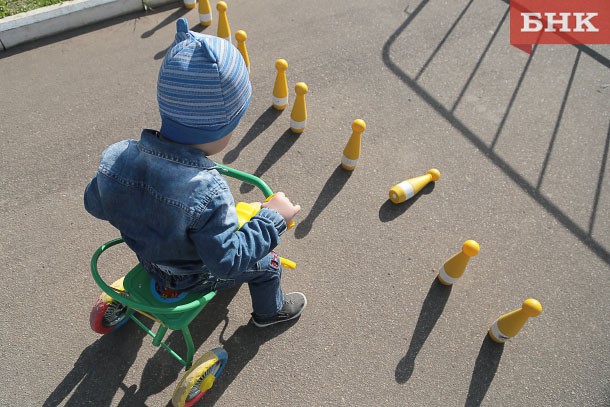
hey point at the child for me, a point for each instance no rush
(172, 207)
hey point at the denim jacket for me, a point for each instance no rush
(176, 212)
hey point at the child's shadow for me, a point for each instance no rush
(390, 211)
(100, 369)
(281, 147)
(430, 312)
(484, 371)
(261, 124)
(163, 370)
(333, 186)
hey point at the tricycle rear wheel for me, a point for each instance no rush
(108, 314)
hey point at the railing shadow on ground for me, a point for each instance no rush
(585, 236)
(99, 372)
(431, 310)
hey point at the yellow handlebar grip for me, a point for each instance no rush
(289, 264)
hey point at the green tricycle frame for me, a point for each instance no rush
(135, 293)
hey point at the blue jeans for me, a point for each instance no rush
(264, 282)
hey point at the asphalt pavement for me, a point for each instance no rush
(521, 142)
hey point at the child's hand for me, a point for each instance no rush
(283, 206)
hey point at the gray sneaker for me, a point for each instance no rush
(294, 304)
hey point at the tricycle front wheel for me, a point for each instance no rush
(199, 378)
(108, 314)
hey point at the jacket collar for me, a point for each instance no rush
(152, 143)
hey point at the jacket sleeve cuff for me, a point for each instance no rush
(275, 217)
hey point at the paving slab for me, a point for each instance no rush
(522, 146)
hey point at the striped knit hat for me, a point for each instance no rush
(203, 88)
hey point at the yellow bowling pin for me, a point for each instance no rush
(351, 152)
(241, 38)
(205, 13)
(280, 88)
(224, 31)
(407, 189)
(509, 325)
(455, 266)
(298, 117)
(190, 3)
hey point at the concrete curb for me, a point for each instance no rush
(46, 21)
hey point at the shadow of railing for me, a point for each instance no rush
(585, 236)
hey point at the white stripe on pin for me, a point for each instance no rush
(347, 162)
(205, 17)
(280, 101)
(497, 334)
(446, 277)
(298, 125)
(189, 2)
(408, 188)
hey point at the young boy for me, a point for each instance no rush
(172, 207)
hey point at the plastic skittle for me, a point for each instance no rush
(205, 13)
(408, 188)
(351, 152)
(509, 325)
(190, 3)
(224, 31)
(455, 266)
(280, 88)
(298, 117)
(241, 37)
